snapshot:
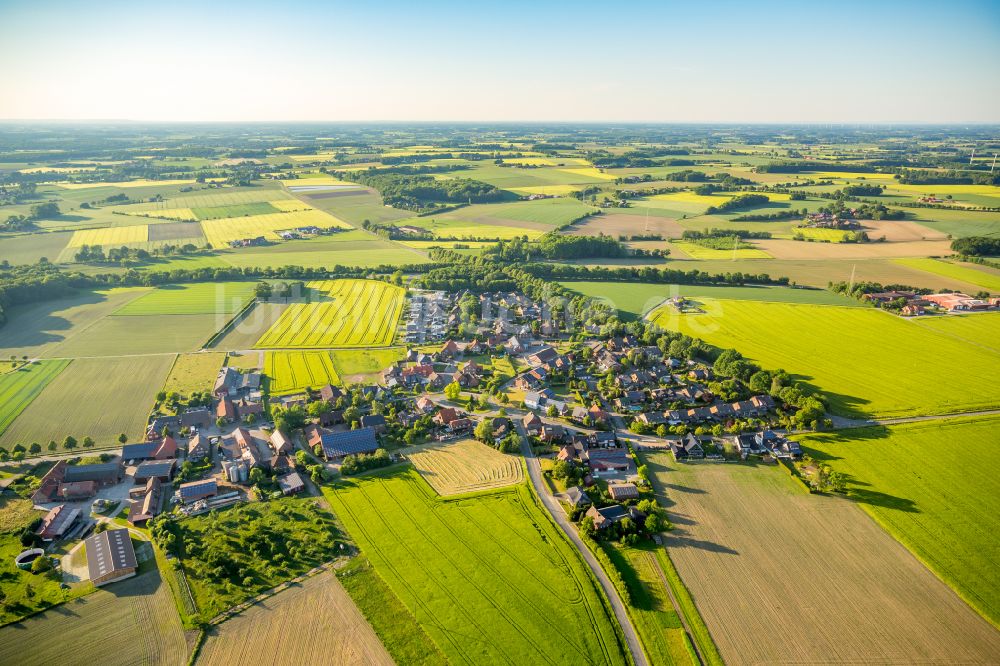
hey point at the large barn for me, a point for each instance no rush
(110, 557)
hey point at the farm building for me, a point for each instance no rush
(147, 505)
(75, 481)
(198, 448)
(197, 418)
(376, 421)
(196, 490)
(156, 450)
(623, 491)
(110, 557)
(280, 443)
(337, 445)
(154, 469)
(291, 484)
(58, 522)
(611, 515)
(232, 383)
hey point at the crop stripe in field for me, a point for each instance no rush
(375, 553)
(500, 576)
(489, 600)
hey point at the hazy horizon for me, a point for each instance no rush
(846, 63)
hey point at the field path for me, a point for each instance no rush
(552, 506)
(844, 423)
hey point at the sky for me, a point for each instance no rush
(298, 60)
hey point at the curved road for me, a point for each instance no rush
(559, 516)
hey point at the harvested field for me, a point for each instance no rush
(353, 313)
(315, 622)
(19, 387)
(901, 231)
(293, 371)
(616, 225)
(99, 398)
(130, 622)
(749, 535)
(453, 468)
(175, 231)
(37, 328)
(490, 578)
(125, 184)
(790, 249)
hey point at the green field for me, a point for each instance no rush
(29, 248)
(351, 313)
(868, 362)
(696, 251)
(293, 371)
(984, 278)
(194, 372)
(362, 365)
(19, 387)
(934, 487)
(234, 210)
(489, 578)
(636, 298)
(99, 398)
(142, 334)
(192, 299)
(981, 329)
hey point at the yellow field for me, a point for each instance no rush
(289, 205)
(830, 235)
(318, 179)
(943, 190)
(423, 245)
(590, 172)
(847, 175)
(127, 183)
(698, 252)
(294, 371)
(464, 466)
(355, 313)
(110, 236)
(182, 214)
(555, 190)
(222, 231)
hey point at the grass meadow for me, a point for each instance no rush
(192, 299)
(194, 372)
(93, 397)
(399, 631)
(351, 313)
(19, 387)
(38, 329)
(364, 365)
(496, 581)
(696, 251)
(868, 362)
(984, 278)
(933, 486)
(636, 298)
